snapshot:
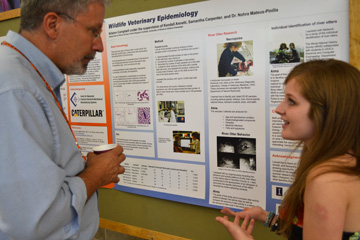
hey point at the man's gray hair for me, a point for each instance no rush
(34, 11)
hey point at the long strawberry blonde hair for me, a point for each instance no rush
(333, 89)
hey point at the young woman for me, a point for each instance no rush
(321, 110)
(177, 144)
(281, 56)
(295, 57)
(229, 53)
(196, 142)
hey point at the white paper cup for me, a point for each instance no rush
(104, 148)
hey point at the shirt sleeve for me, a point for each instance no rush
(239, 56)
(38, 196)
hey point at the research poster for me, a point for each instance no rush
(190, 93)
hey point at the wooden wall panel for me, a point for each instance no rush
(355, 33)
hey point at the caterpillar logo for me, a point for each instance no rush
(87, 113)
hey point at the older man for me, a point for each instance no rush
(47, 191)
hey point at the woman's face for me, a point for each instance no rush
(294, 111)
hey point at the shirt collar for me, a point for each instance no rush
(51, 73)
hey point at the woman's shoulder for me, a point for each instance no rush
(327, 182)
(331, 170)
(327, 185)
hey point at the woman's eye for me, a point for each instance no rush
(291, 102)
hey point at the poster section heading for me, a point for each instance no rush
(186, 14)
(169, 21)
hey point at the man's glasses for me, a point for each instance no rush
(96, 33)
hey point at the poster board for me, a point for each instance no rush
(169, 59)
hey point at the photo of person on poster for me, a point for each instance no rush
(177, 144)
(186, 142)
(295, 56)
(171, 111)
(232, 61)
(196, 142)
(292, 53)
(281, 54)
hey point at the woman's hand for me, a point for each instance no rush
(256, 213)
(237, 232)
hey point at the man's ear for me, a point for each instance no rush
(52, 23)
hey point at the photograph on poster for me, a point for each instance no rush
(237, 153)
(228, 160)
(186, 142)
(287, 54)
(235, 58)
(171, 111)
(286, 47)
(6, 5)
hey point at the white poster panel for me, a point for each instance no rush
(195, 87)
(87, 104)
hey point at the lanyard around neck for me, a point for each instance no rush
(48, 87)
